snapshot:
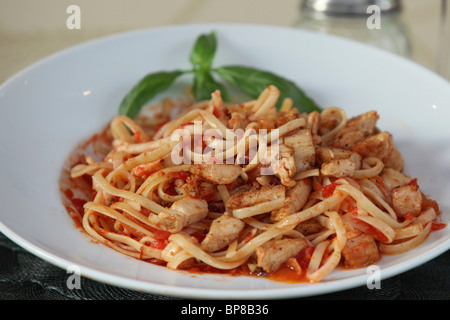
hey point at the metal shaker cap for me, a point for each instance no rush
(348, 7)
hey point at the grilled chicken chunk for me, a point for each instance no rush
(338, 168)
(304, 150)
(356, 130)
(395, 161)
(286, 171)
(182, 212)
(274, 253)
(222, 232)
(365, 122)
(296, 198)
(407, 199)
(284, 168)
(360, 251)
(255, 195)
(326, 154)
(393, 178)
(217, 173)
(308, 227)
(379, 146)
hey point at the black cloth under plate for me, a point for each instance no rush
(23, 276)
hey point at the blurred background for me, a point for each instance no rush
(32, 30)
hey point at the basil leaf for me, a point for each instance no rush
(146, 89)
(203, 52)
(205, 84)
(253, 81)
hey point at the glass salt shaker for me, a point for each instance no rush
(375, 22)
(443, 54)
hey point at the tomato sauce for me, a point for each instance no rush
(328, 190)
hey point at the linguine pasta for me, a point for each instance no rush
(218, 186)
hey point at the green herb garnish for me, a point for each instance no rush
(248, 80)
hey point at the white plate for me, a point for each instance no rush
(48, 108)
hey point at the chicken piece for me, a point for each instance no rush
(357, 129)
(347, 138)
(217, 173)
(296, 198)
(182, 213)
(379, 146)
(365, 122)
(222, 232)
(407, 199)
(274, 253)
(360, 251)
(286, 171)
(255, 195)
(283, 164)
(196, 186)
(338, 168)
(395, 161)
(393, 178)
(357, 160)
(308, 227)
(325, 154)
(304, 150)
